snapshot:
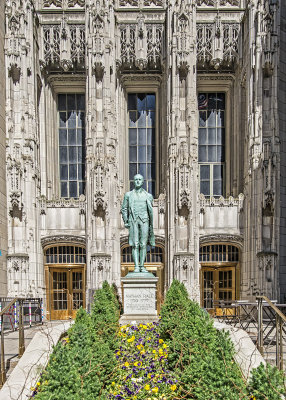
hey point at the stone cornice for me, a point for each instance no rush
(56, 239)
(222, 238)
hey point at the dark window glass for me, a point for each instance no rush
(142, 138)
(72, 144)
(211, 149)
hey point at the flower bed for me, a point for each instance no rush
(182, 357)
(142, 370)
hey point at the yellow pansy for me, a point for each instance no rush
(155, 390)
(161, 341)
(130, 340)
(126, 364)
(173, 387)
(147, 387)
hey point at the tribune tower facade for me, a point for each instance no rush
(188, 93)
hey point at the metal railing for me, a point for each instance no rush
(264, 321)
(16, 314)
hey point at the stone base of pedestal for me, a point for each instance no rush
(139, 298)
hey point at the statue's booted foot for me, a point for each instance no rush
(143, 269)
(136, 269)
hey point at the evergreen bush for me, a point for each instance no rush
(200, 356)
(81, 366)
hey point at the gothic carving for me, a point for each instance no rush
(18, 274)
(230, 42)
(140, 3)
(100, 269)
(267, 267)
(205, 2)
(222, 238)
(14, 72)
(217, 3)
(162, 203)
(55, 239)
(217, 44)
(64, 46)
(131, 3)
(72, 3)
(80, 203)
(205, 37)
(56, 3)
(229, 2)
(183, 46)
(221, 202)
(183, 264)
(158, 3)
(141, 45)
(97, 45)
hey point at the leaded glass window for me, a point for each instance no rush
(142, 137)
(72, 144)
(212, 143)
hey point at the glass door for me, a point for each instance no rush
(218, 288)
(67, 291)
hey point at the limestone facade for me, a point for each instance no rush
(58, 50)
(3, 199)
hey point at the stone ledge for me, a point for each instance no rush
(246, 354)
(32, 363)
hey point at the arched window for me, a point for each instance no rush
(219, 252)
(65, 254)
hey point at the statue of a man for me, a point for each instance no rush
(137, 215)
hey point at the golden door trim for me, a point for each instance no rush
(70, 312)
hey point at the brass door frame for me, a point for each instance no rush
(158, 268)
(69, 268)
(216, 268)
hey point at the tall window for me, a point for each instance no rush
(212, 143)
(142, 118)
(72, 144)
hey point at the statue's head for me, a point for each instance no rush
(138, 181)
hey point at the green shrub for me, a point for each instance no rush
(80, 367)
(267, 382)
(200, 356)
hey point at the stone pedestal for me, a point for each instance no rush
(139, 298)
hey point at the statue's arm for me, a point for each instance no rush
(150, 209)
(124, 210)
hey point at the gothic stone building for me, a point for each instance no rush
(189, 93)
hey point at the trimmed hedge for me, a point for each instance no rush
(84, 365)
(200, 356)
(81, 367)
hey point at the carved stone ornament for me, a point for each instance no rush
(229, 2)
(131, 3)
(17, 262)
(62, 202)
(14, 72)
(64, 47)
(56, 3)
(221, 202)
(222, 238)
(55, 239)
(162, 203)
(100, 269)
(72, 3)
(205, 3)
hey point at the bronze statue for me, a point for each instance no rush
(137, 214)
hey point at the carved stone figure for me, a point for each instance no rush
(137, 214)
